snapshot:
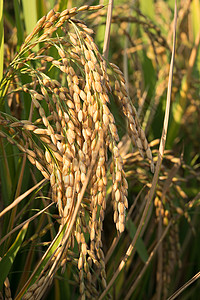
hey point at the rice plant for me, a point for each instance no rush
(89, 208)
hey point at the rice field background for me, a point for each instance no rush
(99, 149)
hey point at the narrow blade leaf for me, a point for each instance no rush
(8, 259)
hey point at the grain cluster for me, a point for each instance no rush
(71, 119)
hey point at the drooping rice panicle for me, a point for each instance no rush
(71, 116)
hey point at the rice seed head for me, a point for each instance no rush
(74, 119)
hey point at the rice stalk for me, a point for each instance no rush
(147, 263)
(158, 165)
(181, 289)
(107, 31)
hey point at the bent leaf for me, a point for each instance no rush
(140, 246)
(8, 259)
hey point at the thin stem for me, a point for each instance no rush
(179, 291)
(158, 166)
(135, 284)
(107, 31)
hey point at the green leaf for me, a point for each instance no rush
(41, 9)
(147, 8)
(140, 246)
(51, 3)
(5, 175)
(19, 23)
(50, 251)
(8, 259)
(30, 14)
(195, 17)
(63, 4)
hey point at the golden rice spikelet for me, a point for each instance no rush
(119, 190)
(129, 110)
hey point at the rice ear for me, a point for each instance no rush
(70, 140)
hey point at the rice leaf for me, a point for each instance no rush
(8, 259)
(195, 16)
(5, 175)
(147, 8)
(140, 246)
(30, 14)
(41, 8)
(182, 99)
(43, 262)
(19, 23)
(63, 4)
(51, 3)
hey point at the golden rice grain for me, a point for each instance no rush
(72, 10)
(40, 131)
(64, 12)
(91, 65)
(70, 104)
(98, 87)
(96, 7)
(50, 14)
